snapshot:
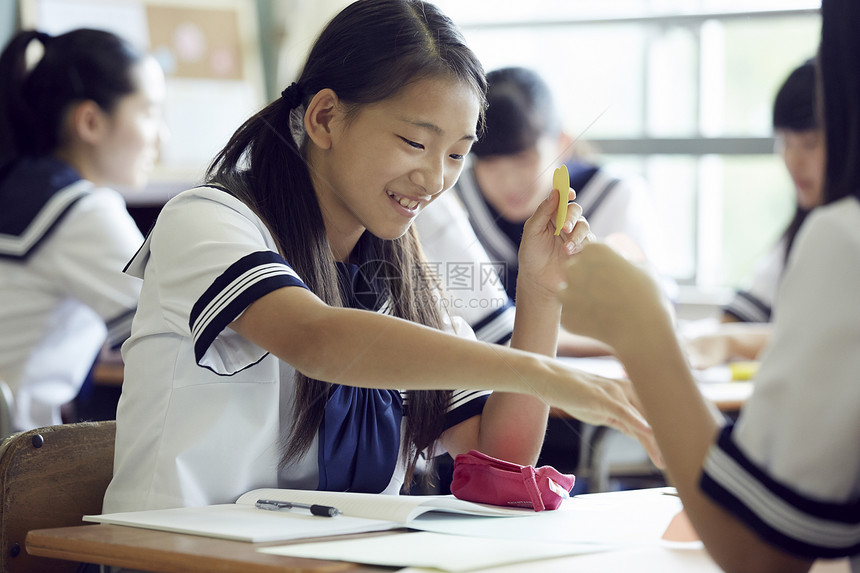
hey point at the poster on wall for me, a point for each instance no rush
(211, 58)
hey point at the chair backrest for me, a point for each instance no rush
(51, 477)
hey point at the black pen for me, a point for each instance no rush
(273, 505)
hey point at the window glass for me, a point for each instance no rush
(632, 70)
(672, 82)
(752, 75)
(673, 180)
(598, 96)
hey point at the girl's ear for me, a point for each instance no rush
(321, 111)
(88, 122)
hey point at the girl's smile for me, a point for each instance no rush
(407, 205)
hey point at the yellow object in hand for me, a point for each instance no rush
(561, 181)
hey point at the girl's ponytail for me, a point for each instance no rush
(18, 124)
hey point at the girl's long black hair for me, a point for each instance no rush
(366, 54)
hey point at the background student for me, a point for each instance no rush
(508, 176)
(800, 140)
(285, 335)
(781, 486)
(85, 117)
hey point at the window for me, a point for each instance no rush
(678, 92)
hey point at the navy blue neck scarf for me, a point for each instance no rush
(359, 439)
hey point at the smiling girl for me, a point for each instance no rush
(287, 334)
(86, 116)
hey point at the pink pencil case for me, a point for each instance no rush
(484, 479)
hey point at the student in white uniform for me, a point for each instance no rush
(746, 319)
(86, 116)
(781, 486)
(276, 344)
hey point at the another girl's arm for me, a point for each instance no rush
(614, 301)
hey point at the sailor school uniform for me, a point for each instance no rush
(63, 245)
(790, 467)
(204, 412)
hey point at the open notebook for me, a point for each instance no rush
(242, 521)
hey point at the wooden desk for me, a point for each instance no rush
(165, 552)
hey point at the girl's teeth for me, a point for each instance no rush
(405, 202)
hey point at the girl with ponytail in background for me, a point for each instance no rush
(86, 116)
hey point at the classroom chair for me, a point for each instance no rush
(51, 477)
(601, 458)
(614, 457)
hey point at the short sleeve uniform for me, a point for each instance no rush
(63, 245)
(204, 412)
(790, 466)
(755, 304)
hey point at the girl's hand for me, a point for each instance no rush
(603, 402)
(608, 298)
(543, 254)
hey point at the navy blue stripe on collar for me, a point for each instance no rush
(44, 224)
(27, 187)
(36, 194)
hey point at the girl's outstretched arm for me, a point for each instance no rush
(361, 348)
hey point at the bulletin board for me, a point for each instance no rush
(210, 54)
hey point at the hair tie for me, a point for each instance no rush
(292, 95)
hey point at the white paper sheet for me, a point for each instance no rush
(622, 519)
(435, 550)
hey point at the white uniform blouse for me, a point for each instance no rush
(63, 293)
(790, 466)
(203, 410)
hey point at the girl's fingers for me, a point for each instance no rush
(579, 236)
(633, 425)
